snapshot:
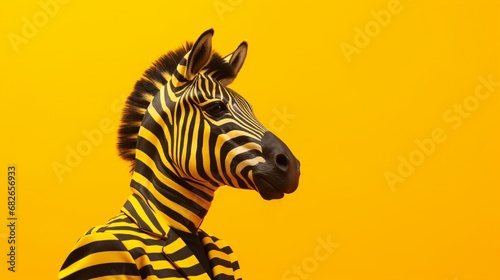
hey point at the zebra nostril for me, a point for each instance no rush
(281, 161)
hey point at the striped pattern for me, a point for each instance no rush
(133, 246)
(185, 134)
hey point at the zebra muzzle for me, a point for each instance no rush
(279, 174)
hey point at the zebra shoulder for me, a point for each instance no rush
(213, 243)
(99, 254)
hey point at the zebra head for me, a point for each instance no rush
(183, 120)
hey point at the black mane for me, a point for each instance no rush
(148, 86)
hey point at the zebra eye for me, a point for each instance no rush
(215, 109)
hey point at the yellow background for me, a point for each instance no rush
(350, 119)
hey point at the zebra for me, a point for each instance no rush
(185, 134)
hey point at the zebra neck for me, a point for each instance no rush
(176, 201)
(180, 206)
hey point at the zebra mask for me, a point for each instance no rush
(186, 133)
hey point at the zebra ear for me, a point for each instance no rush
(200, 54)
(236, 60)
